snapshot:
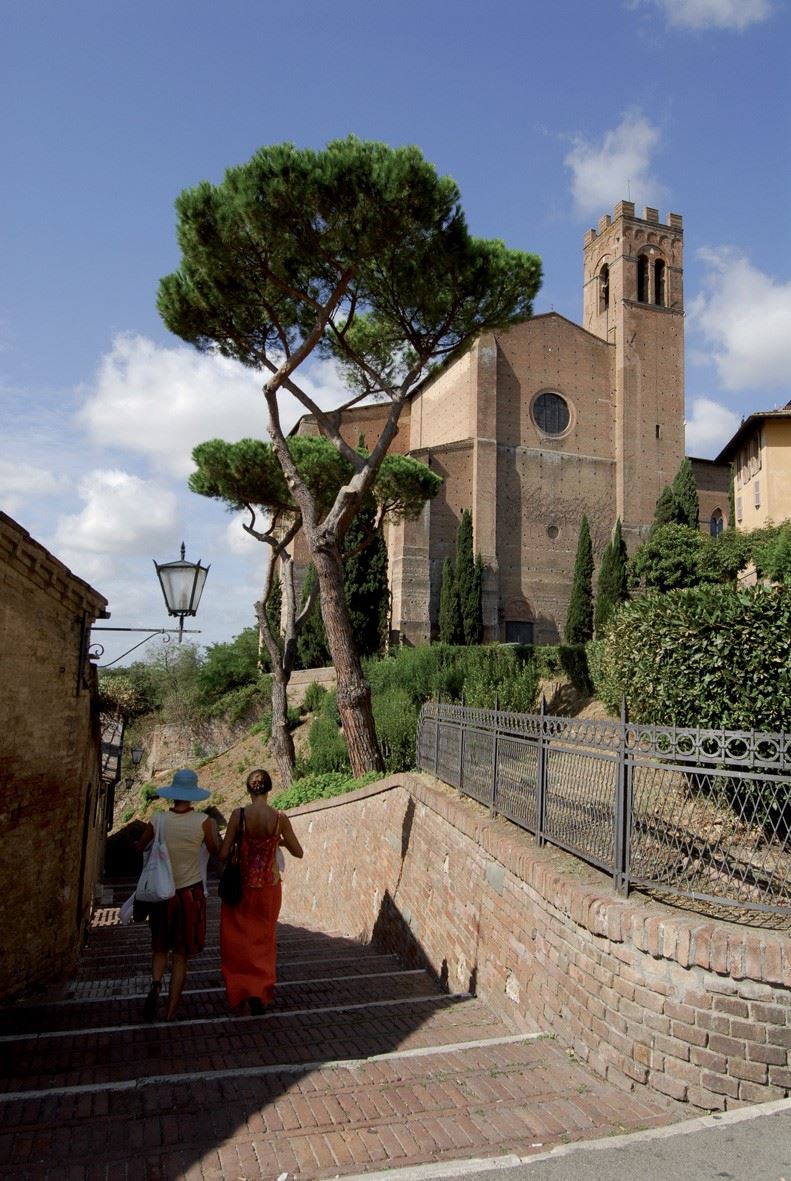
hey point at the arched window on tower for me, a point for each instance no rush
(716, 523)
(604, 288)
(659, 283)
(642, 279)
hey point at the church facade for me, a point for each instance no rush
(537, 425)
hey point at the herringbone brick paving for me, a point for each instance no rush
(359, 1064)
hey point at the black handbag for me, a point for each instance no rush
(230, 886)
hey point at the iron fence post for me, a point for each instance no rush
(541, 777)
(493, 804)
(623, 810)
(436, 737)
(461, 745)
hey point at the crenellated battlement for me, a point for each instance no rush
(625, 209)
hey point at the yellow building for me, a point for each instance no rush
(760, 453)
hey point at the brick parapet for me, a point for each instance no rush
(27, 560)
(693, 1007)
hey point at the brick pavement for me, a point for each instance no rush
(360, 1064)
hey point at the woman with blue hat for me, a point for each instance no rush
(179, 925)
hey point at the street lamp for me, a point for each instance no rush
(136, 755)
(182, 584)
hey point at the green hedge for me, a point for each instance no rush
(320, 787)
(711, 656)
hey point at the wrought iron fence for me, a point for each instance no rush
(705, 814)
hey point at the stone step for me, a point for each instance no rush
(361, 1063)
(208, 1000)
(203, 1044)
(510, 1095)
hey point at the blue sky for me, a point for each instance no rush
(545, 115)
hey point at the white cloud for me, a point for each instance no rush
(715, 14)
(709, 428)
(239, 541)
(607, 172)
(745, 315)
(22, 482)
(123, 514)
(160, 402)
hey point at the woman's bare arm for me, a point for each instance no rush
(288, 837)
(145, 838)
(211, 836)
(230, 835)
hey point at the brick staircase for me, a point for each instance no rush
(360, 1065)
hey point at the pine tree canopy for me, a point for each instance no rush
(247, 474)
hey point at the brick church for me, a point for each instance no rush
(545, 421)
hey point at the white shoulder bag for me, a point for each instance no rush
(156, 882)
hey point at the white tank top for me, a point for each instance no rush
(183, 833)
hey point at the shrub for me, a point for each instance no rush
(237, 703)
(229, 666)
(262, 727)
(320, 787)
(569, 660)
(670, 558)
(712, 656)
(594, 653)
(314, 696)
(148, 793)
(395, 716)
(502, 676)
(327, 748)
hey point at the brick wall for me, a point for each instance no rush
(695, 1008)
(51, 798)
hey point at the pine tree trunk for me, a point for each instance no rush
(281, 743)
(354, 692)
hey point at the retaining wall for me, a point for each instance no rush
(644, 994)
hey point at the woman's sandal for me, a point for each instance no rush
(150, 1003)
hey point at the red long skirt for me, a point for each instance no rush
(248, 944)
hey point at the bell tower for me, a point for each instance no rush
(633, 297)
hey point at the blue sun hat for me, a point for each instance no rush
(184, 787)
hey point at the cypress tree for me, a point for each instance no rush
(612, 587)
(450, 622)
(465, 574)
(473, 622)
(312, 643)
(365, 583)
(685, 491)
(665, 512)
(579, 620)
(274, 606)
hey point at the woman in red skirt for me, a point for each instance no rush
(248, 943)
